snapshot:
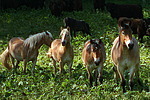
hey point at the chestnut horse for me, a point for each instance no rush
(25, 50)
(94, 56)
(61, 50)
(125, 55)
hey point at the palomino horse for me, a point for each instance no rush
(25, 50)
(125, 55)
(61, 50)
(94, 56)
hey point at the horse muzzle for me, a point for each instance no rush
(63, 43)
(130, 46)
(97, 61)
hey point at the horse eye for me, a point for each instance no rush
(123, 32)
(96, 48)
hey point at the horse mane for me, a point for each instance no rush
(88, 49)
(32, 40)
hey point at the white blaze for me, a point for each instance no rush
(96, 59)
(128, 42)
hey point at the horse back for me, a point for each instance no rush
(15, 43)
(15, 47)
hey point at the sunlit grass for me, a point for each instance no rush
(44, 85)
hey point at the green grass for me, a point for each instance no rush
(44, 85)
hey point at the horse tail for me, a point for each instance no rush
(4, 57)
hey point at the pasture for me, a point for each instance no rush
(44, 84)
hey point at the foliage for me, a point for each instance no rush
(43, 84)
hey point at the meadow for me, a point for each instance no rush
(44, 84)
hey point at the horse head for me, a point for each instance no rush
(95, 50)
(48, 38)
(65, 35)
(126, 36)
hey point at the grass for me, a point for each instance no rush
(44, 85)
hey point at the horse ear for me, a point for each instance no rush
(68, 28)
(47, 33)
(122, 24)
(100, 41)
(61, 28)
(130, 22)
(91, 41)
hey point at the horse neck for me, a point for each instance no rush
(121, 45)
(39, 44)
(34, 44)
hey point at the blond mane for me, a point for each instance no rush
(33, 40)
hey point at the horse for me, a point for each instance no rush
(93, 57)
(76, 25)
(25, 50)
(61, 51)
(138, 26)
(125, 55)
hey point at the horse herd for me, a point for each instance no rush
(124, 53)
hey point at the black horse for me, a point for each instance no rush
(76, 25)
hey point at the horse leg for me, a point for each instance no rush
(33, 65)
(137, 76)
(100, 74)
(116, 75)
(61, 65)
(131, 84)
(71, 31)
(70, 66)
(17, 64)
(138, 79)
(54, 63)
(90, 75)
(96, 76)
(75, 33)
(25, 64)
(13, 62)
(120, 72)
(140, 37)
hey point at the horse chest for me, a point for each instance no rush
(67, 58)
(64, 55)
(126, 60)
(92, 66)
(32, 55)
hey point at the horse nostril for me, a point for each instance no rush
(97, 63)
(130, 46)
(63, 43)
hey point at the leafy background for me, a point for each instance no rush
(43, 84)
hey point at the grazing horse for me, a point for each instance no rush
(94, 56)
(125, 55)
(25, 50)
(61, 50)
